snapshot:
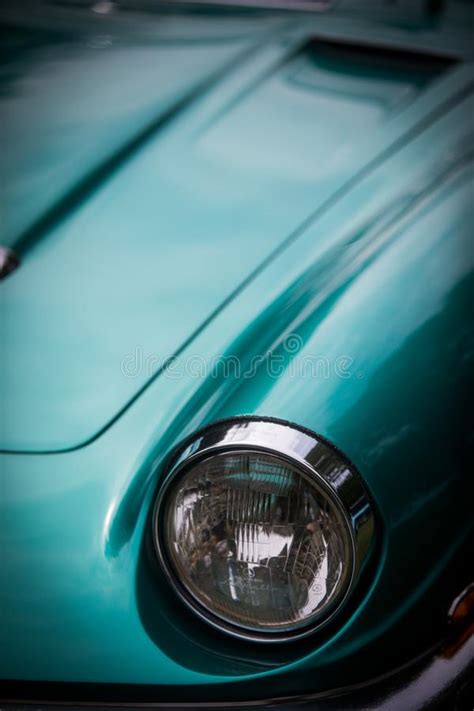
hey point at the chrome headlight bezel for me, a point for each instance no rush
(313, 456)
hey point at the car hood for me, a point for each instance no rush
(153, 169)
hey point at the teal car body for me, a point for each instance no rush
(222, 213)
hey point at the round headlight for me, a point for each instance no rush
(260, 526)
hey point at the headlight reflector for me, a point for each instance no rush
(257, 540)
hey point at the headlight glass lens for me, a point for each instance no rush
(257, 542)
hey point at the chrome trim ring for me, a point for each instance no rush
(315, 458)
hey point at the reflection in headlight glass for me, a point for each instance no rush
(257, 542)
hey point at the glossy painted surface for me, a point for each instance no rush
(374, 287)
(217, 187)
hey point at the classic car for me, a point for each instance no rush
(237, 354)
